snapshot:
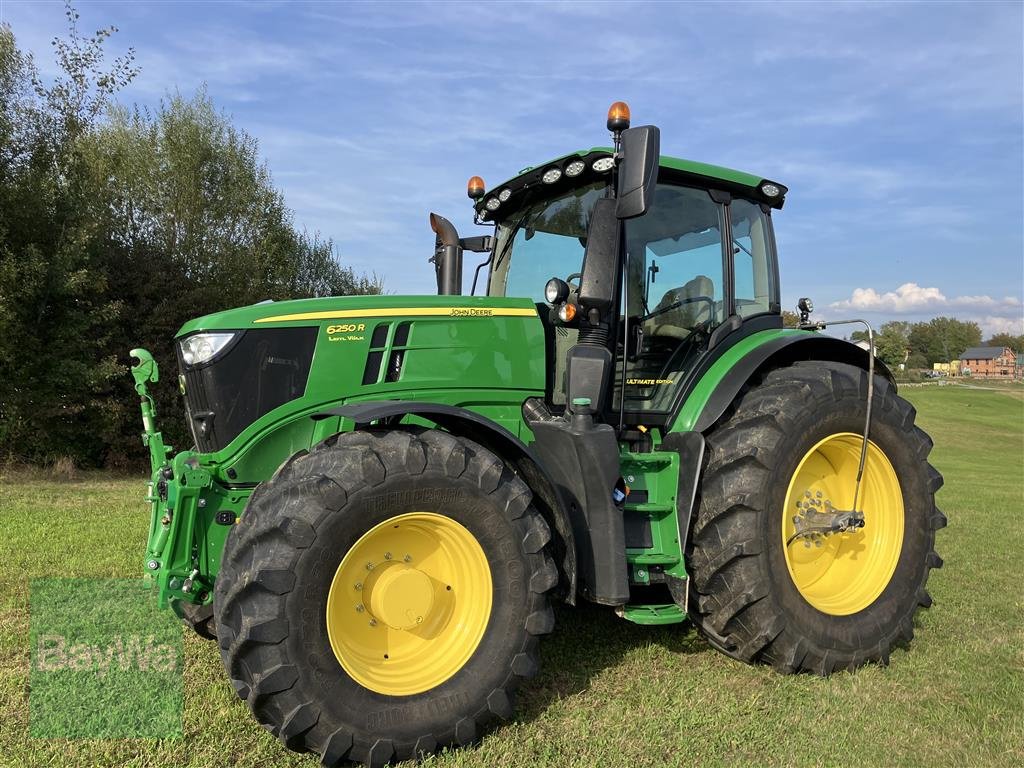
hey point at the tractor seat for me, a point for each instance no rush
(679, 322)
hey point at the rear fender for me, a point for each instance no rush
(707, 404)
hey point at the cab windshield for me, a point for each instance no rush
(543, 240)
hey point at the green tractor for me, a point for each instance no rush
(388, 493)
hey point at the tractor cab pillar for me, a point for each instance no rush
(582, 454)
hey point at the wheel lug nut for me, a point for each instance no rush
(407, 558)
(373, 622)
(359, 585)
(369, 566)
(387, 555)
(359, 608)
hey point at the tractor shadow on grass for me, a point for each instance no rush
(588, 640)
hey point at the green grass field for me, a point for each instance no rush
(612, 693)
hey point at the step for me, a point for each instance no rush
(652, 615)
(650, 508)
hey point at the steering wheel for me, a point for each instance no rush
(570, 278)
(677, 305)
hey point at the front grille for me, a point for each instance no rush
(259, 372)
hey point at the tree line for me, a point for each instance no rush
(939, 340)
(117, 224)
(920, 345)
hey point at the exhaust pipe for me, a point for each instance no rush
(447, 257)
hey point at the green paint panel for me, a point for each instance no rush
(657, 475)
(653, 614)
(490, 349)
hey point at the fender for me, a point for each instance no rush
(465, 423)
(722, 381)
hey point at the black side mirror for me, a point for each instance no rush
(638, 170)
(600, 260)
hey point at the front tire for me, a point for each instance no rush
(383, 596)
(813, 603)
(198, 618)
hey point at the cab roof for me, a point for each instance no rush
(704, 174)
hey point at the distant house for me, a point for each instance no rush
(989, 362)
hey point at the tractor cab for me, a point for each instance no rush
(696, 265)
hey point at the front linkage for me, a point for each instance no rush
(188, 507)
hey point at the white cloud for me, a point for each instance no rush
(990, 326)
(911, 298)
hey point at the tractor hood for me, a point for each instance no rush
(261, 371)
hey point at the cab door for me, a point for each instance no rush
(677, 294)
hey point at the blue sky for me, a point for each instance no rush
(897, 127)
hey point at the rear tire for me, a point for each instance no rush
(292, 629)
(752, 600)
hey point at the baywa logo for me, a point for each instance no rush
(106, 661)
(56, 652)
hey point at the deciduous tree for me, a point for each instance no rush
(116, 226)
(944, 338)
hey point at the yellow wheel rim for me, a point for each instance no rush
(843, 573)
(409, 603)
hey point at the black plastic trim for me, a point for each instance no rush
(690, 447)
(775, 293)
(371, 372)
(380, 335)
(402, 334)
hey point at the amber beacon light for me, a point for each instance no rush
(618, 116)
(475, 187)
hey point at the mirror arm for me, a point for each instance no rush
(476, 273)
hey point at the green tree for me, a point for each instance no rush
(944, 338)
(116, 226)
(917, 360)
(55, 306)
(193, 225)
(1016, 343)
(892, 342)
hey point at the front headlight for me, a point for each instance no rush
(200, 347)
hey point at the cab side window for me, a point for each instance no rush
(750, 243)
(677, 246)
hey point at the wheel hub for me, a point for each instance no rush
(409, 603)
(400, 596)
(841, 557)
(817, 518)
